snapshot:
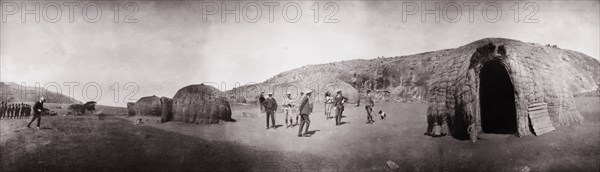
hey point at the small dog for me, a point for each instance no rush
(382, 114)
(138, 122)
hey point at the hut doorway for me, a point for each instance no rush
(497, 100)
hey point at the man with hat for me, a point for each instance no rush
(338, 102)
(37, 112)
(305, 108)
(288, 104)
(270, 107)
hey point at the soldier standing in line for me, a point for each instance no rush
(10, 111)
(28, 111)
(270, 107)
(2, 110)
(23, 110)
(369, 107)
(339, 101)
(18, 111)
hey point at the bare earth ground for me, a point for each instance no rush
(113, 143)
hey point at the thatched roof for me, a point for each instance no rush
(200, 104)
(536, 73)
(148, 106)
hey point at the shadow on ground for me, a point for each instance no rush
(115, 144)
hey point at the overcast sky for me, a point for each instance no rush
(170, 46)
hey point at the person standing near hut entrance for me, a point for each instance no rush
(37, 112)
(306, 107)
(339, 101)
(369, 107)
(270, 107)
(261, 101)
(288, 104)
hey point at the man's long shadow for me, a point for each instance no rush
(126, 147)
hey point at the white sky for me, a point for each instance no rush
(171, 47)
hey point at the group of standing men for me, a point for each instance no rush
(305, 108)
(269, 105)
(14, 110)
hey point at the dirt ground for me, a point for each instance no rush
(113, 142)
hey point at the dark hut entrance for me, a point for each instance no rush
(497, 100)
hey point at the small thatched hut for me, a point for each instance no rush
(148, 106)
(201, 104)
(131, 108)
(505, 86)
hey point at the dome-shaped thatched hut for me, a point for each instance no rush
(130, 108)
(148, 106)
(201, 104)
(505, 86)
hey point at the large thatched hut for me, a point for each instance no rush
(201, 104)
(148, 106)
(505, 86)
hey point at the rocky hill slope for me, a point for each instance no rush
(407, 78)
(13, 92)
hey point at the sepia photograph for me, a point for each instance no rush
(300, 85)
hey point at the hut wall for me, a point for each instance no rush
(454, 104)
(200, 104)
(148, 106)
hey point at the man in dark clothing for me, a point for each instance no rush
(305, 108)
(10, 110)
(18, 111)
(37, 112)
(338, 102)
(261, 102)
(28, 111)
(270, 107)
(369, 107)
(2, 107)
(23, 108)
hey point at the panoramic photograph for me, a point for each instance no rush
(300, 85)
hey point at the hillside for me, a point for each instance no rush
(13, 92)
(409, 77)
